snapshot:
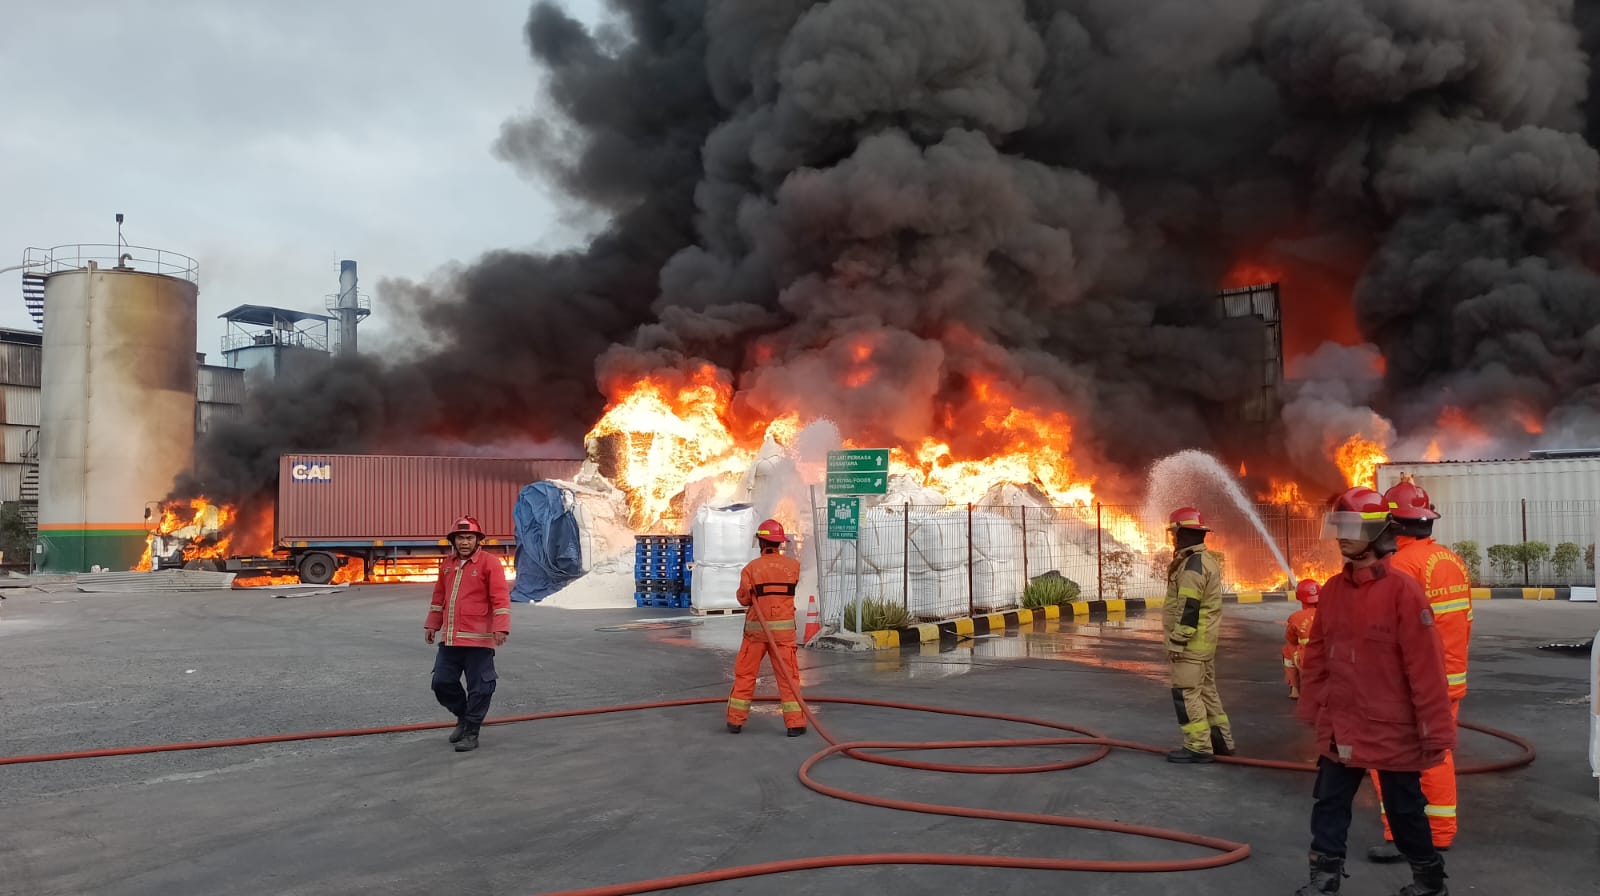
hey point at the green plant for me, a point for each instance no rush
(1468, 552)
(14, 538)
(1565, 561)
(1506, 559)
(1532, 555)
(1117, 569)
(876, 615)
(1049, 590)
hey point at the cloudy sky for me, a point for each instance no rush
(269, 140)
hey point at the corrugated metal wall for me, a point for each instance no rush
(220, 385)
(18, 441)
(363, 497)
(20, 365)
(19, 405)
(1553, 500)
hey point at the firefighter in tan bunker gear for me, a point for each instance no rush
(768, 584)
(1191, 618)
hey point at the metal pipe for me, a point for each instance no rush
(1288, 540)
(1099, 555)
(970, 576)
(1024, 509)
(905, 568)
(1524, 542)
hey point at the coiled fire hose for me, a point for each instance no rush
(1226, 852)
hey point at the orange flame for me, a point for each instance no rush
(1358, 459)
(1281, 492)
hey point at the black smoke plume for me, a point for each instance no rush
(1034, 195)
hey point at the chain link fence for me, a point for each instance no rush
(1523, 543)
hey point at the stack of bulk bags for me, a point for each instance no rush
(724, 541)
(997, 579)
(938, 557)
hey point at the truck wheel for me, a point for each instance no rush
(318, 568)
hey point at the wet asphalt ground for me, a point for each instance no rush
(570, 803)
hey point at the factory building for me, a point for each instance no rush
(103, 408)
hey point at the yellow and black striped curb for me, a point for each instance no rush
(984, 623)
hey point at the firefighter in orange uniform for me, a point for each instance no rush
(470, 616)
(767, 586)
(1297, 633)
(1449, 590)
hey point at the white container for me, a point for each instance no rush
(996, 585)
(715, 586)
(996, 538)
(724, 535)
(883, 538)
(938, 594)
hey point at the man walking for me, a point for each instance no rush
(767, 585)
(1191, 618)
(472, 608)
(1374, 687)
(1446, 585)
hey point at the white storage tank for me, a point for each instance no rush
(1551, 497)
(118, 400)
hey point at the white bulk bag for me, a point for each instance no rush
(883, 538)
(995, 538)
(996, 585)
(725, 535)
(715, 586)
(938, 594)
(938, 540)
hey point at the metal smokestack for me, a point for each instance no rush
(348, 308)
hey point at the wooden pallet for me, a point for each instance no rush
(732, 611)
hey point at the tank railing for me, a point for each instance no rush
(145, 259)
(363, 304)
(291, 338)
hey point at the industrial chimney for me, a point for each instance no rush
(349, 306)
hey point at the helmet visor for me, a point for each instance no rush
(1349, 525)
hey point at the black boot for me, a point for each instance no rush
(734, 729)
(1387, 854)
(1188, 756)
(460, 729)
(1326, 873)
(1219, 744)
(468, 743)
(796, 732)
(1426, 880)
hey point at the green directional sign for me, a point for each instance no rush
(859, 460)
(858, 483)
(844, 519)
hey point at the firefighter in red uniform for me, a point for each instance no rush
(1449, 590)
(1297, 632)
(1374, 687)
(767, 586)
(470, 616)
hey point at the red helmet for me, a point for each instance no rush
(1307, 591)
(1187, 518)
(771, 532)
(1407, 501)
(1360, 514)
(467, 525)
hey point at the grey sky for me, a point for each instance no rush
(268, 140)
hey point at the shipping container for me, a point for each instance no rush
(398, 506)
(1553, 500)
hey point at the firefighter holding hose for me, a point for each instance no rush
(1191, 618)
(1448, 588)
(1374, 687)
(767, 586)
(470, 616)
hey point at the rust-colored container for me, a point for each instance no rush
(356, 499)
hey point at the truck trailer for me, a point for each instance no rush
(333, 508)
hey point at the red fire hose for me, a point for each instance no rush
(1227, 851)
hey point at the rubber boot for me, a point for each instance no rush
(460, 729)
(734, 729)
(1326, 873)
(796, 732)
(1188, 756)
(469, 742)
(1219, 745)
(1426, 880)
(1386, 854)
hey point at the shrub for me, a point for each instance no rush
(876, 615)
(1468, 552)
(1565, 561)
(1117, 569)
(1050, 589)
(1506, 559)
(1533, 554)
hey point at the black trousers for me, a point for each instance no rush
(471, 706)
(1335, 791)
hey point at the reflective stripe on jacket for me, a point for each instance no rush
(1373, 680)
(1192, 613)
(470, 601)
(1295, 635)
(770, 579)
(1449, 591)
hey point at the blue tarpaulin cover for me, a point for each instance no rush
(548, 554)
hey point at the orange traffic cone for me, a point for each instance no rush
(813, 622)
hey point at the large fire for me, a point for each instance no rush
(1358, 459)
